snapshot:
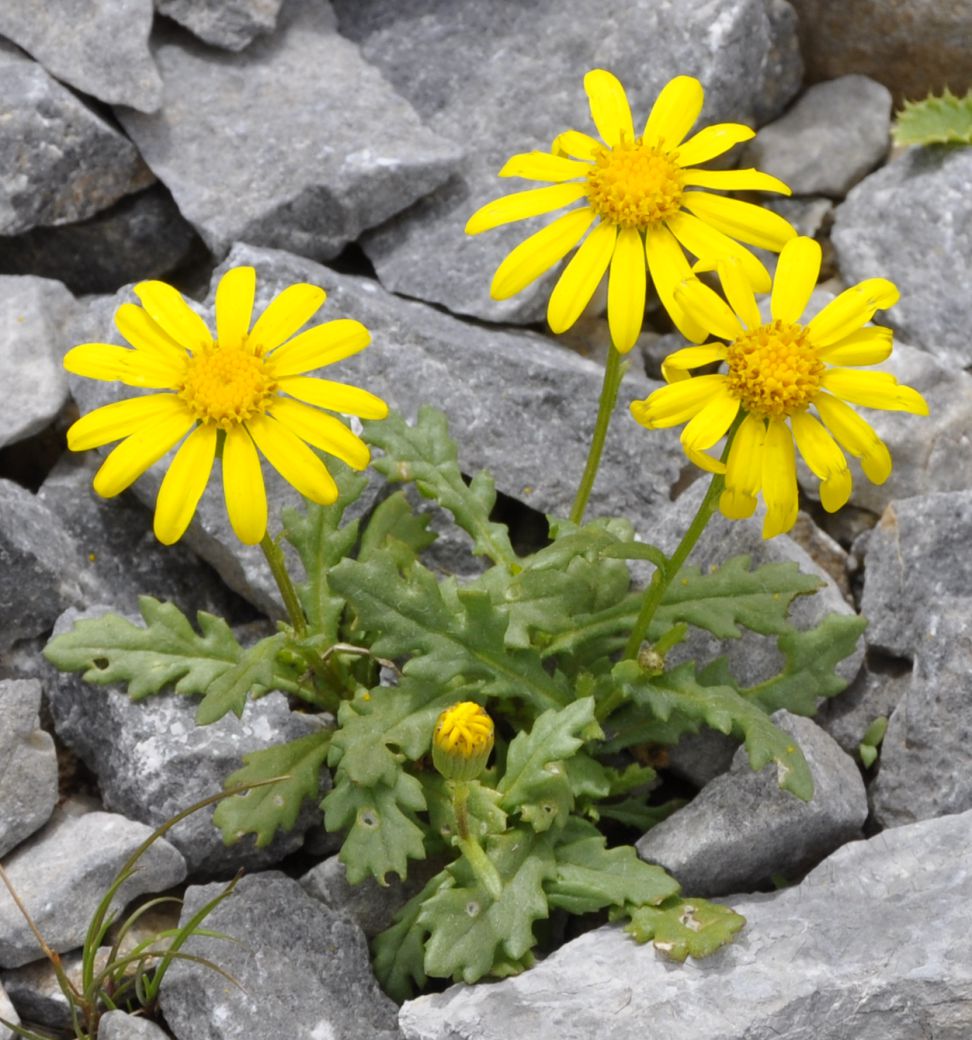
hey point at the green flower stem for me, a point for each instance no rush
(481, 864)
(614, 372)
(278, 568)
(664, 576)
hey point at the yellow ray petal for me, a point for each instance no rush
(711, 141)
(740, 220)
(114, 421)
(668, 267)
(851, 310)
(674, 404)
(739, 292)
(285, 314)
(710, 424)
(708, 308)
(293, 460)
(778, 479)
(322, 431)
(321, 345)
(544, 166)
(609, 107)
(744, 470)
(324, 393)
(141, 449)
(873, 390)
(709, 245)
(538, 253)
(868, 346)
(169, 310)
(735, 180)
(136, 325)
(243, 487)
(110, 363)
(576, 145)
(856, 436)
(825, 459)
(523, 204)
(674, 112)
(234, 305)
(680, 362)
(796, 276)
(183, 484)
(581, 277)
(627, 284)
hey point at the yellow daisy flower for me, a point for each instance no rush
(776, 372)
(244, 392)
(641, 206)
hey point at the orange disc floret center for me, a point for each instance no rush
(226, 386)
(634, 186)
(465, 729)
(774, 369)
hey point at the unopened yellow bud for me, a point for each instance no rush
(462, 741)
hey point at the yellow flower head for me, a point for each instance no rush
(462, 741)
(641, 204)
(776, 372)
(245, 390)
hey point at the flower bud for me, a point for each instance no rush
(462, 741)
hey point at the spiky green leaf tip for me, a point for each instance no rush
(936, 120)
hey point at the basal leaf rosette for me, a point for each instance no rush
(240, 394)
(643, 204)
(778, 374)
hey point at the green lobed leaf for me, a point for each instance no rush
(399, 951)
(590, 876)
(394, 526)
(936, 120)
(684, 928)
(448, 633)
(265, 810)
(663, 708)
(468, 931)
(254, 673)
(166, 651)
(426, 455)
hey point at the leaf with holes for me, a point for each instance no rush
(684, 928)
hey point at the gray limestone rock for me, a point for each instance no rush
(63, 871)
(835, 134)
(117, 1025)
(926, 756)
(742, 828)
(911, 221)
(141, 236)
(28, 763)
(35, 990)
(917, 562)
(101, 50)
(9, 1014)
(59, 161)
(874, 944)
(500, 79)
(40, 566)
(35, 321)
(304, 162)
(920, 46)
(231, 24)
(303, 970)
(159, 761)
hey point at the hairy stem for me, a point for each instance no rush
(278, 568)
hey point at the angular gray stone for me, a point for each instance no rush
(141, 236)
(917, 561)
(874, 944)
(911, 221)
(741, 829)
(28, 763)
(159, 761)
(231, 24)
(508, 84)
(921, 47)
(35, 990)
(306, 161)
(59, 161)
(35, 321)
(117, 1025)
(62, 873)
(9, 1014)
(40, 566)
(835, 134)
(303, 970)
(102, 50)
(926, 756)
